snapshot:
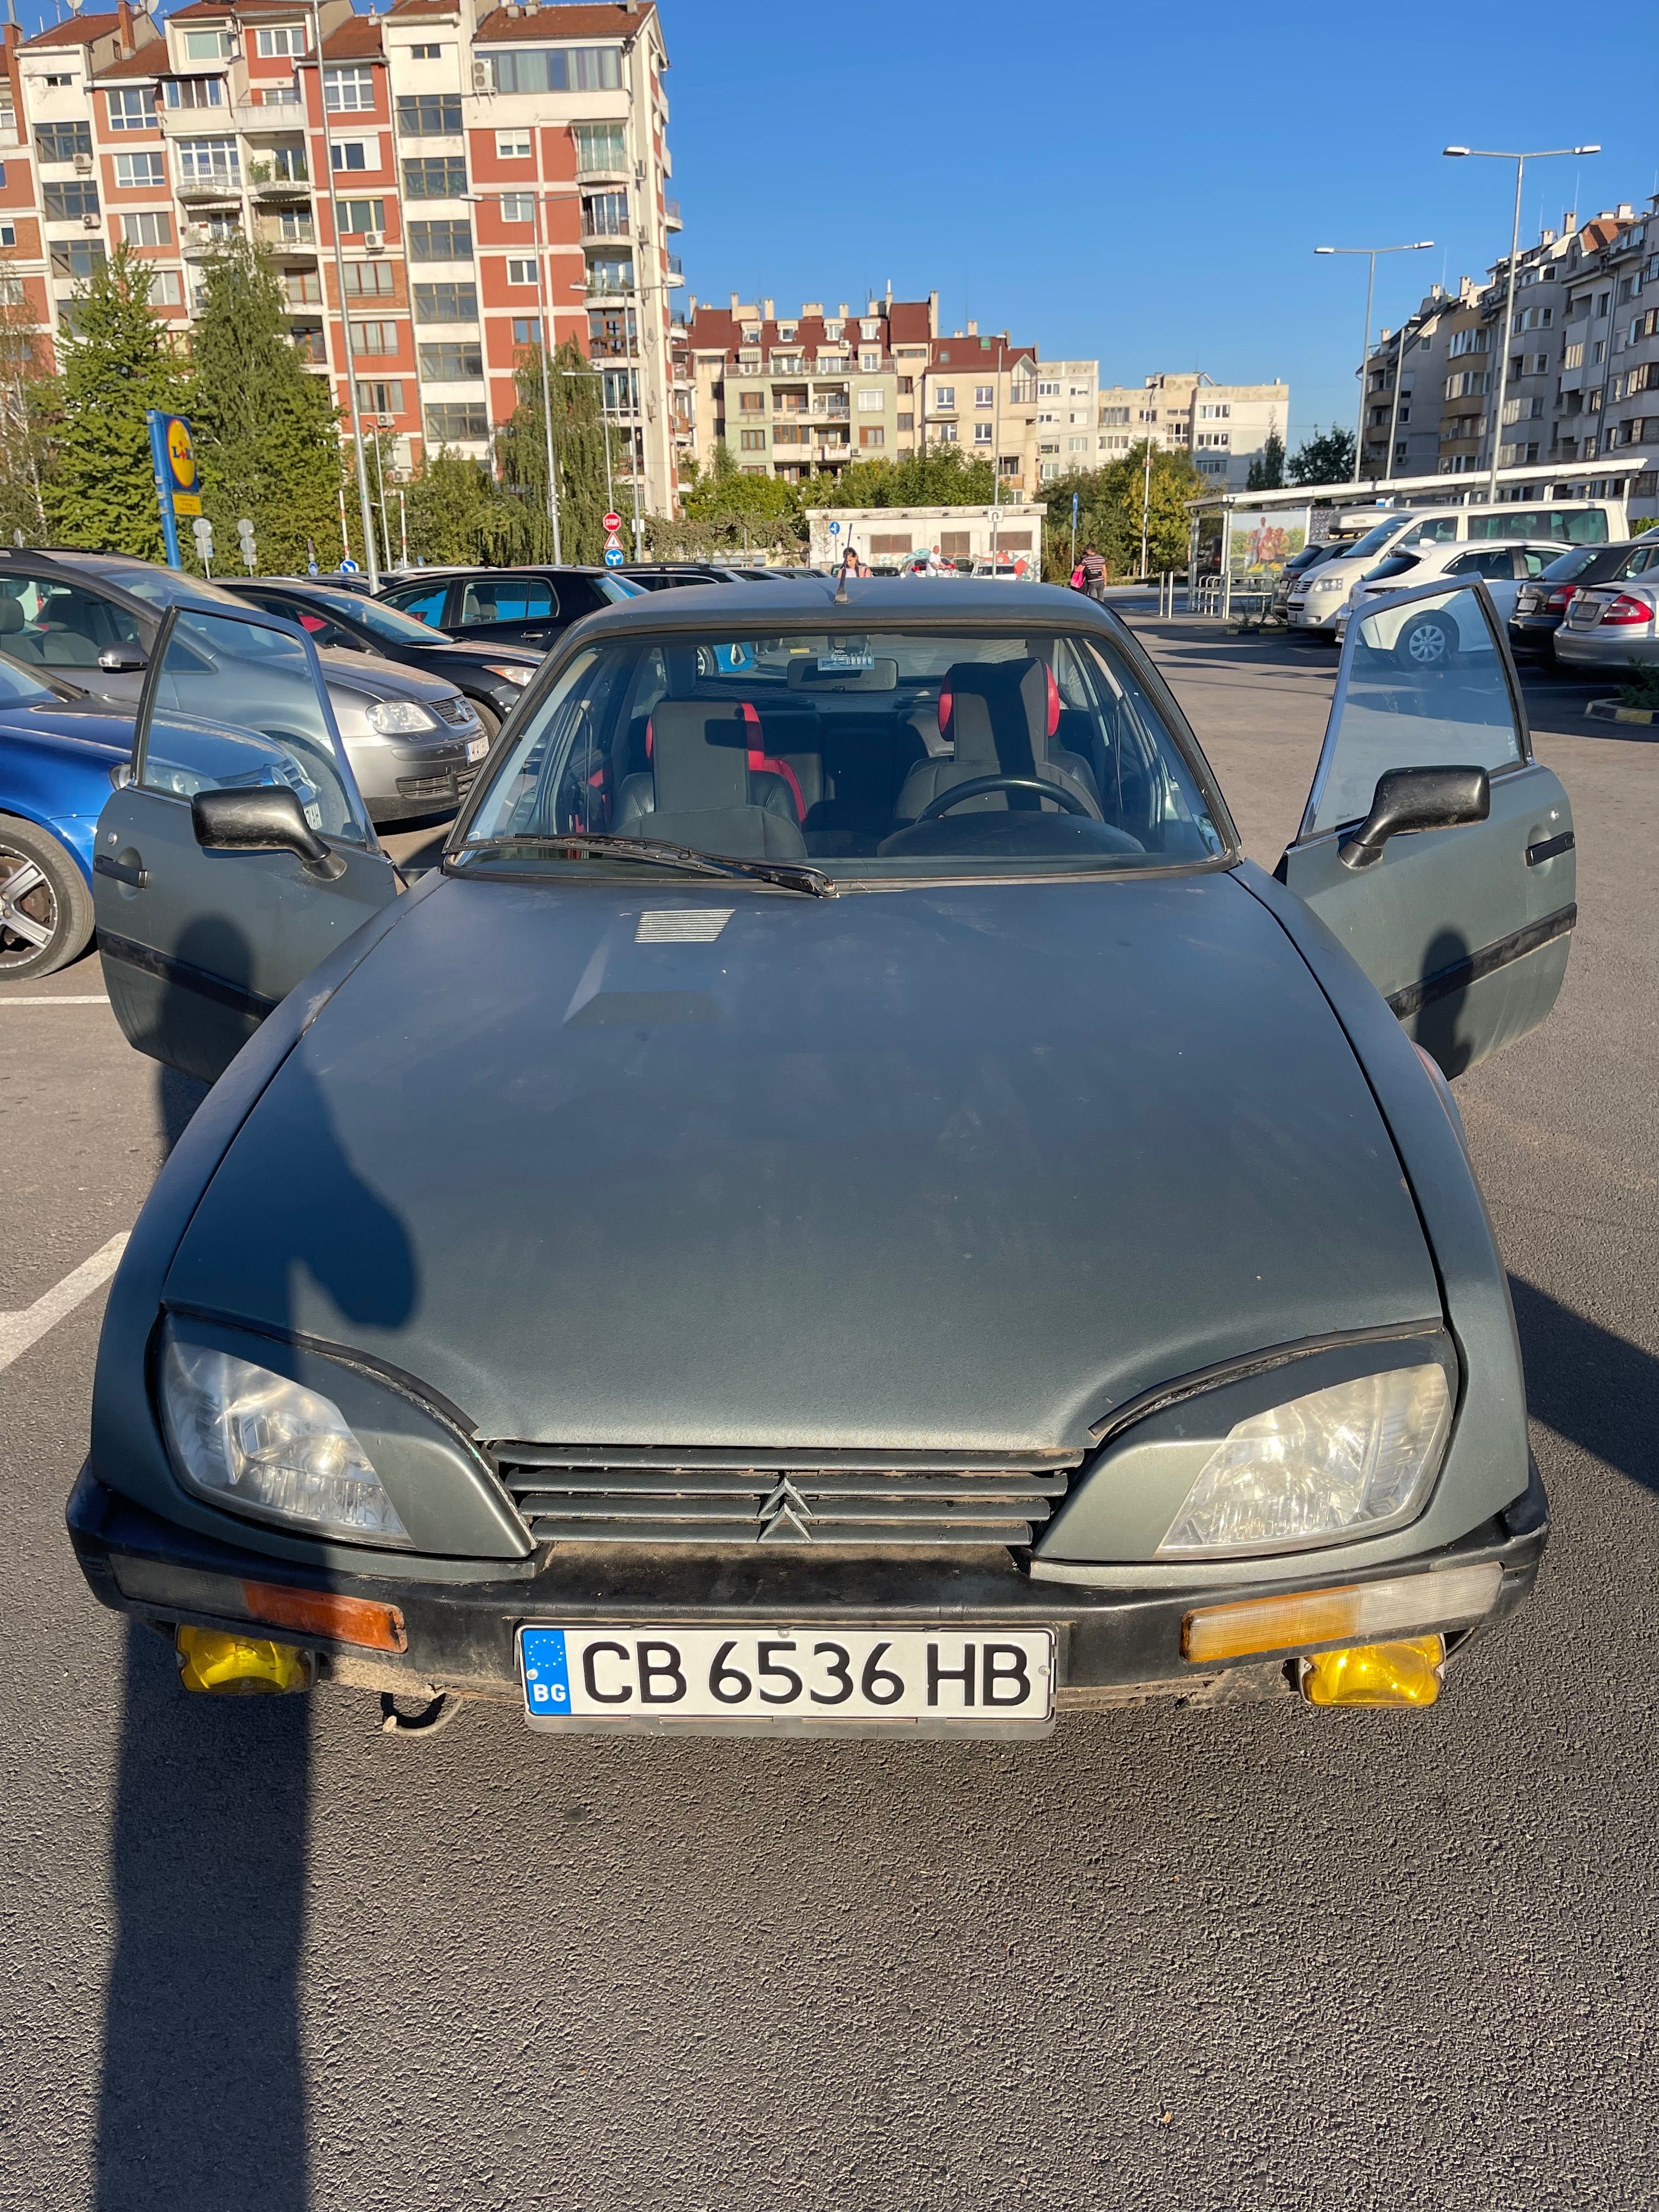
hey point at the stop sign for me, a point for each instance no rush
(613, 522)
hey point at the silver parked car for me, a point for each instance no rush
(414, 742)
(1615, 624)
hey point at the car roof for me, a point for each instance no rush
(816, 602)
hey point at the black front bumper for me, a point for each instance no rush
(1114, 1646)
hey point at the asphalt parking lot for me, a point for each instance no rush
(258, 1955)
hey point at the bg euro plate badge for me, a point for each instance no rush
(789, 1680)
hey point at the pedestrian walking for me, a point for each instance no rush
(1094, 572)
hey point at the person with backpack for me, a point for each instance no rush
(1092, 569)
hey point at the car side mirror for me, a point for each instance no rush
(266, 818)
(123, 660)
(1408, 798)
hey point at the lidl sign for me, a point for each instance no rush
(177, 488)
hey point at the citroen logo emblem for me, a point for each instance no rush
(786, 1516)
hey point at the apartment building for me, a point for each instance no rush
(787, 396)
(1224, 426)
(1068, 403)
(497, 172)
(1583, 360)
(981, 393)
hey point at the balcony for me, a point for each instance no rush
(219, 188)
(201, 241)
(200, 122)
(252, 118)
(604, 172)
(272, 186)
(605, 226)
(670, 215)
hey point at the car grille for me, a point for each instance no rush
(587, 1494)
(458, 713)
(448, 785)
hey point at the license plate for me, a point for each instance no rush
(476, 747)
(634, 1677)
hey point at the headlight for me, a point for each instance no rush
(262, 1445)
(1327, 584)
(394, 717)
(1340, 1463)
(511, 669)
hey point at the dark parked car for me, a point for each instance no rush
(668, 575)
(845, 1203)
(1541, 606)
(519, 606)
(490, 676)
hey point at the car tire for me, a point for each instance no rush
(489, 721)
(49, 893)
(1431, 641)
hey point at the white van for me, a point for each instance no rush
(1313, 606)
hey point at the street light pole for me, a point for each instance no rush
(363, 500)
(1484, 154)
(1371, 252)
(543, 302)
(605, 417)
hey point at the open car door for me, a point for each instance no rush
(198, 945)
(1464, 929)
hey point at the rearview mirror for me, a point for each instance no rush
(1408, 798)
(266, 818)
(123, 660)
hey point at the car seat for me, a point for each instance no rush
(1000, 717)
(701, 789)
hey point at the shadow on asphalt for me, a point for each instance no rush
(1598, 1390)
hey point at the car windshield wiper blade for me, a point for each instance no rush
(788, 875)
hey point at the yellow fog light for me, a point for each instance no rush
(224, 1665)
(1376, 1673)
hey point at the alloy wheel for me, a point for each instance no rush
(29, 909)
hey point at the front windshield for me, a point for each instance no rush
(876, 754)
(19, 689)
(1374, 540)
(165, 587)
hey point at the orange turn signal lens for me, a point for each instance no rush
(321, 1612)
(1352, 1613)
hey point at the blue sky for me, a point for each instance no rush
(1142, 186)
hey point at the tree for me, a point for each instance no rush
(580, 429)
(267, 431)
(1109, 509)
(1267, 470)
(29, 407)
(118, 363)
(1326, 458)
(454, 510)
(937, 475)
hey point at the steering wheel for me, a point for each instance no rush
(1067, 800)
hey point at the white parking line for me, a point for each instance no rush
(97, 998)
(21, 1329)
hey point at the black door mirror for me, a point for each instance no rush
(123, 660)
(1408, 799)
(266, 818)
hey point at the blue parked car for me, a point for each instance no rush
(58, 745)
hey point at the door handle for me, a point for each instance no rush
(1537, 854)
(123, 871)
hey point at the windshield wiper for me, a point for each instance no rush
(787, 875)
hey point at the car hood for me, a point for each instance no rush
(946, 1168)
(382, 679)
(82, 732)
(521, 656)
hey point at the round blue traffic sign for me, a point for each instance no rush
(834, 529)
(614, 557)
(348, 567)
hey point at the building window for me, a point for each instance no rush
(302, 288)
(207, 46)
(605, 214)
(296, 227)
(872, 434)
(511, 145)
(210, 161)
(946, 433)
(870, 362)
(945, 397)
(619, 391)
(153, 227)
(557, 68)
(62, 142)
(1219, 411)
(284, 39)
(752, 402)
(193, 91)
(138, 171)
(381, 396)
(359, 217)
(369, 279)
(132, 109)
(601, 146)
(981, 434)
(526, 329)
(436, 177)
(456, 418)
(166, 289)
(426, 53)
(8, 237)
(612, 331)
(450, 240)
(446, 303)
(346, 89)
(453, 361)
(871, 400)
(907, 421)
(429, 115)
(57, 82)
(751, 441)
(984, 396)
(369, 337)
(518, 207)
(351, 154)
(77, 258)
(68, 202)
(521, 270)
(605, 273)
(1462, 342)
(1076, 445)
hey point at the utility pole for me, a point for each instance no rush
(363, 501)
(1484, 154)
(1371, 252)
(1146, 510)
